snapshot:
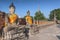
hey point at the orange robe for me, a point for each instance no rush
(12, 18)
(29, 19)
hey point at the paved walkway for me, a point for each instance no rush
(48, 33)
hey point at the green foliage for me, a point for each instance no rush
(56, 12)
(39, 16)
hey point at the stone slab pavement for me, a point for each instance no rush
(48, 33)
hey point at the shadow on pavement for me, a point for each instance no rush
(58, 37)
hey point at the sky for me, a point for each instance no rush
(22, 6)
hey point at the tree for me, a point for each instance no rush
(39, 16)
(57, 14)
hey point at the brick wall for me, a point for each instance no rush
(43, 22)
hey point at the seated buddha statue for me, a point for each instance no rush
(28, 18)
(12, 16)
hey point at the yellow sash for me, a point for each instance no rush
(12, 18)
(29, 20)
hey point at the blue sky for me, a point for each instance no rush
(22, 6)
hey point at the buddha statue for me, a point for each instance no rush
(12, 16)
(28, 18)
